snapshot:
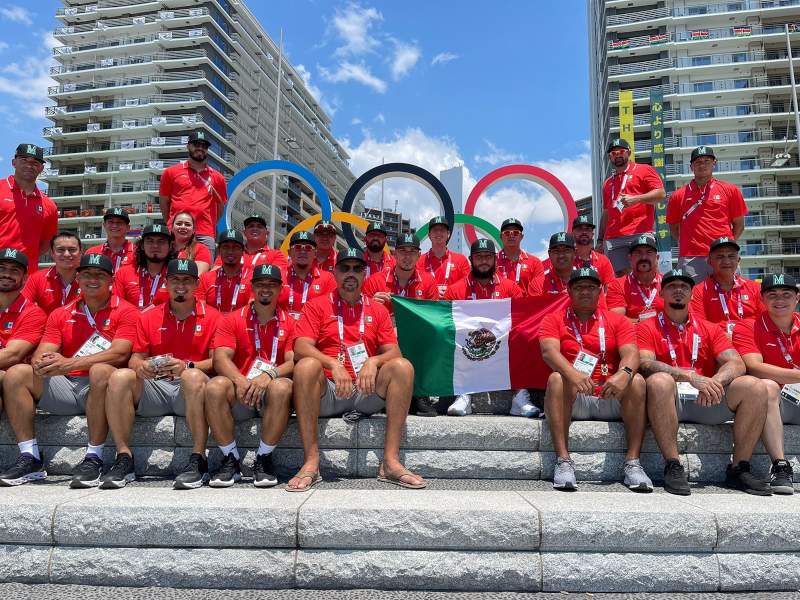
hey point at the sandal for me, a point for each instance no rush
(396, 478)
(313, 475)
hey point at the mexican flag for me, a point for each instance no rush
(742, 31)
(467, 346)
(700, 34)
(620, 44)
(658, 39)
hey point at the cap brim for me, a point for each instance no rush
(576, 279)
(683, 278)
(635, 246)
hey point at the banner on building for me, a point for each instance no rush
(626, 118)
(657, 155)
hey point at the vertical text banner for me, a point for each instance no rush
(626, 118)
(657, 156)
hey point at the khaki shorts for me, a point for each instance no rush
(161, 397)
(594, 408)
(331, 406)
(64, 395)
(618, 250)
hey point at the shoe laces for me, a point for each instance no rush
(23, 460)
(633, 466)
(352, 416)
(563, 464)
(230, 462)
(121, 465)
(674, 467)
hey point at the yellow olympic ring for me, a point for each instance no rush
(338, 216)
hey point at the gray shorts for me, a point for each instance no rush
(331, 406)
(696, 266)
(161, 397)
(240, 412)
(209, 242)
(790, 412)
(594, 408)
(64, 395)
(691, 412)
(618, 250)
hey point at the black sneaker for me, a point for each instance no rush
(194, 475)
(27, 468)
(87, 474)
(782, 476)
(675, 479)
(739, 477)
(426, 406)
(120, 473)
(228, 474)
(264, 472)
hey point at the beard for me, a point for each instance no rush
(677, 305)
(375, 245)
(264, 301)
(9, 286)
(180, 298)
(485, 274)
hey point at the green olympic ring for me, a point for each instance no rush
(463, 219)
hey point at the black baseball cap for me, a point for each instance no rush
(482, 245)
(702, 151)
(267, 272)
(643, 240)
(157, 229)
(778, 280)
(678, 274)
(302, 237)
(15, 256)
(117, 212)
(181, 266)
(562, 238)
(512, 222)
(438, 221)
(350, 254)
(582, 220)
(723, 241)
(255, 217)
(618, 143)
(584, 273)
(376, 226)
(96, 261)
(324, 225)
(31, 150)
(407, 240)
(199, 136)
(231, 235)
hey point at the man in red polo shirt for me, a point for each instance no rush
(226, 287)
(256, 251)
(117, 246)
(629, 199)
(304, 280)
(166, 374)
(635, 295)
(325, 236)
(57, 286)
(143, 282)
(512, 261)
(377, 259)
(254, 361)
(28, 218)
(350, 364)
(82, 344)
(194, 187)
(770, 348)
(405, 278)
(694, 375)
(558, 269)
(446, 266)
(21, 321)
(725, 297)
(594, 358)
(703, 210)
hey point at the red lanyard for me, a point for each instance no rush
(703, 195)
(625, 177)
(471, 285)
(646, 300)
(783, 341)
(682, 329)
(506, 263)
(153, 287)
(601, 331)
(257, 333)
(397, 289)
(309, 278)
(429, 264)
(724, 302)
(556, 283)
(340, 323)
(237, 286)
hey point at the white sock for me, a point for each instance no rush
(96, 450)
(29, 447)
(230, 448)
(264, 448)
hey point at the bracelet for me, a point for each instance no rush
(272, 372)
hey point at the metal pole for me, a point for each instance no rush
(273, 203)
(794, 89)
(383, 162)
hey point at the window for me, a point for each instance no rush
(785, 188)
(743, 109)
(700, 61)
(750, 190)
(704, 86)
(788, 216)
(696, 10)
(740, 84)
(744, 137)
(777, 107)
(703, 113)
(748, 163)
(706, 139)
(740, 57)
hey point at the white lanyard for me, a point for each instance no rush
(118, 256)
(556, 283)
(236, 288)
(648, 301)
(257, 334)
(209, 186)
(340, 325)
(379, 264)
(21, 308)
(254, 261)
(306, 286)
(783, 345)
(447, 268)
(724, 303)
(401, 291)
(506, 262)
(703, 195)
(471, 284)
(65, 288)
(89, 317)
(614, 195)
(153, 288)
(671, 346)
(601, 331)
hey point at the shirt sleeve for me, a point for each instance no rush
(52, 329)
(514, 291)
(550, 327)
(127, 319)
(31, 289)
(142, 342)
(605, 270)
(719, 341)
(697, 306)
(220, 187)
(373, 285)
(386, 334)
(674, 207)
(226, 332)
(29, 326)
(50, 225)
(536, 285)
(651, 178)
(202, 286)
(453, 292)
(165, 186)
(615, 295)
(744, 337)
(607, 194)
(644, 337)
(310, 322)
(624, 329)
(430, 291)
(201, 253)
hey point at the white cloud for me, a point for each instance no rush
(3, 46)
(352, 24)
(405, 57)
(305, 75)
(355, 121)
(443, 58)
(380, 118)
(27, 81)
(496, 155)
(17, 14)
(359, 73)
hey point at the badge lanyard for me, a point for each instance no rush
(257, 334)
(429, 264)
(380, 264)
(601, 332)
(471, 284)
(724, 303)
(648, 301)
(784, 345)
(18, 311)
(703, 195)
(236, 288)
(65, 288)
(340, 326)
(556, 283)
(671, 346)
(89, 317)
(153, 287)
(505, 264)
(254, 260)
(625, 178)
(401, 291)
(209, 186)
(118, 256)
(306, 285)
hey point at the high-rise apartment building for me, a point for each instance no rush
(723, 70)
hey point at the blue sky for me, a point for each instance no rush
(433, 83)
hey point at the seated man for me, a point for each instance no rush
(375, 241)
(254, 360)
(512, 261)
(635, 295)
(349, 361)
(226, 288)
(69, 372)
(405, 278)
(142, 282)
(165, 376)
(770, 348)
(304, 279)
(557, 268)
(56, 286)
(594, 358)
(694, 375)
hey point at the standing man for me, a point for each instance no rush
(117, 246)
(194, 187)
(694, 375)
(512, 261)
(703, 210)
(143, 282)
(375, 240)
(349, 361)
(725, 297)
(256, 251)
(446, 267)
(57, 285)
(325, 236)
(561, 256)
(226, 287)
(594, 358)
(28, 218)
(82, 344)
(166, 375)
(585, 255)
(636, 295)
(304, 279)
(254, 359)
(629, 199)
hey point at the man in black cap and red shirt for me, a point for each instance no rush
(144, 281)
(325, 236)
(446, 266)
(635, 295)
(512, 261)
(117, 247)
(28, 218)
(377, 258)
(558, 269)
(629, 199)
(585, 255)
(194, 187)
(227, 288)
(703, 210)
(256, 251)
(58, 285)
(304, 279)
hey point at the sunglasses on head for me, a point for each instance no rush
(347, 269)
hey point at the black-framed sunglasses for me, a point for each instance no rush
(353, 268)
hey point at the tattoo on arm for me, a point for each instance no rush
(648, 367)
(730, 367)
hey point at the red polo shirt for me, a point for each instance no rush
(25, 220)
(47, 289)
(420, 286)
(713, 342)
(68, 328)
(118, 259)
(140, 288)
(743, 301)
(296, 291)
(469, 289)
(702, 223)
(159, 332)
(201, 253)
(320, 323)
(237, 331)
(328, 263)
(386, 263)
(447, 270)
(637, 179)
(626, 292)
(760, 335)
(217, 289)
(520, 271)
(265, 256)
(22, 320)
(599, 262)
(619, 331)
(202, 194)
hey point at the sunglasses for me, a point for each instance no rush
(303, 247)
(353, 268)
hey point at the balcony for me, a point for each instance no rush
(719, 139)
(736, 32)
(91, 9)
(697, 10)
(123, 145)
(89, 191)
(769, 221)
(704, 61)
(636, 17)
(91, 87)
(708, 86)
(102, 171)
(133, 21)
(124, 103)
(123, 61)
(121, 43)
(748, 164)
(156, 122)
(736, 111)
(777, 248)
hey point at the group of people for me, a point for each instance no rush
(220, 330)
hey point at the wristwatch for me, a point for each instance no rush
(189, 364)
(629, 371)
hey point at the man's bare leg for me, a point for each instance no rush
(558, 412)
(193, 389)
(122, 397)
(662, 413)
(634, 416)
(747, 397)
(309, 384)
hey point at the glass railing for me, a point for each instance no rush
(54, 111)
(714, 139)
(750, 164)
(121, 61)
(153, 121)
(697, 10)
(67, 88)
(742, 31)
(768, 249)
(714, 85)
(768, 220)
(708, 60)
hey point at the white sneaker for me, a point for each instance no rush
(564, 475)
(635, 477)
(461, 407)
(521, 405)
